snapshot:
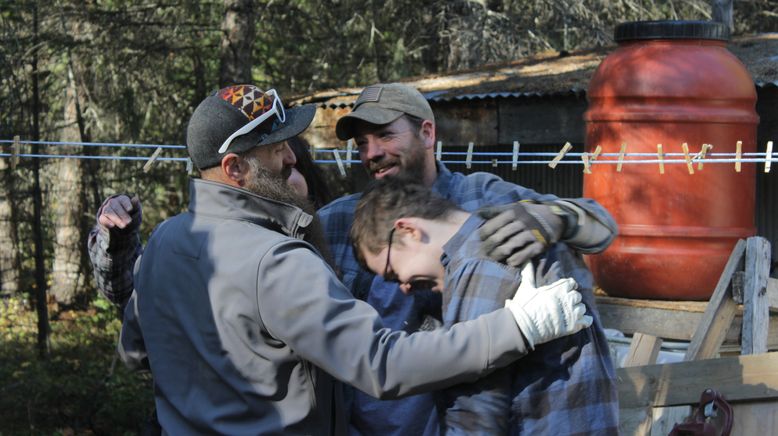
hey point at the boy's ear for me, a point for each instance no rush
(410, 227)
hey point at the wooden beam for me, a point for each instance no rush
(643, 350)
(635, 422)
(674, 320)
(756, 310)
(740, 378)
(772, 293)
(720, 312)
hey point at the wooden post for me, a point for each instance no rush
(720, 311)
(755, 301)
(643, 350)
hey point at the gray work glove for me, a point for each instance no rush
(548, 312)
(515, 233)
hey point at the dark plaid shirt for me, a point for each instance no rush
(113, 254)
(415, 414)
(563, 387)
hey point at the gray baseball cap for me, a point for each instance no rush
(383, 103)
(228, 110)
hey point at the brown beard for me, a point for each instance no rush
(263, 182)
(411, 162)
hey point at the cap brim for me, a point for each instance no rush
(344, 129)
(297, 120)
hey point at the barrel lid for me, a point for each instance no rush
(671, 29)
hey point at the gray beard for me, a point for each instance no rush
(265, 183)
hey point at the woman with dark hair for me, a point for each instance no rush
(306, 178)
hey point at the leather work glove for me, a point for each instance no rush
(515, 233)
(548, 312)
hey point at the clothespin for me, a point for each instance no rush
(439, 151)
(596, 154)
(515, 160)
(189, 166)
(593, 157)
(469, 158)
(149, 163)
(561, 154)
(494, 163)
(738, 153)
(15, 152)
(661, 156)
(585, 159)
(621, 156)
(349, 147)
(701, 155)
(338, 161)
(689, 164)
(768, 156)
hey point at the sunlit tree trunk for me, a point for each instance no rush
(238, 32)
(66, 196)
(9, 247)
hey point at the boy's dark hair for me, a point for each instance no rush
(387, 200)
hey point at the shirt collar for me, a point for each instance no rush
(224, 201)
(442, 181)
(466, 231)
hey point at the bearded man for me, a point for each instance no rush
(245, 327)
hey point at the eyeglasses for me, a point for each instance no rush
(389, 275)
(276, 108)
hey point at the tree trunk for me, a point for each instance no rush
(66, 194)
(722, 12)
(238, 31)
(9, 245)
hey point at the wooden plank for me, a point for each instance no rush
(643, 350)
(739, 378)
(720, 311)
(664, 418)
(671, 320)
(756, 312)
(755, 418)
(772, 293)
(635, 422)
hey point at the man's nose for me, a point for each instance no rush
(289, 157)
(370, 150)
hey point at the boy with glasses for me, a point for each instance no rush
(409, 235)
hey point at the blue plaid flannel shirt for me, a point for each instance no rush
(563, 387)
(415, 414)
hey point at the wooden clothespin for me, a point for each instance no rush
(494, 163)
(469, 158)
(439, 151)
(621, 156)
(149, 163)
(15, 152)
(189, 166)
(768, 156)
(349, 148)
(738, 154)
(689, 164)
(596, 154)
(585, 159)
(661, 156)
(515, 157)
(701, 155)
(560, 155)
(341, 169)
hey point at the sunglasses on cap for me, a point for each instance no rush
(276, 108)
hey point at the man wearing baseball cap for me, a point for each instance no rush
(394, 129)
(246, 329)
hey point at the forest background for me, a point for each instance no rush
(131, 72)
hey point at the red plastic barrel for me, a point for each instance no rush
(669, 83)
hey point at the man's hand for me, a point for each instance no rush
(117, 212)
(548, 312)
(515, 233)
